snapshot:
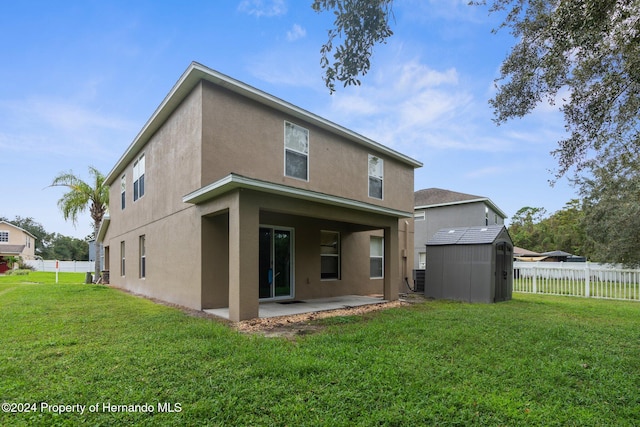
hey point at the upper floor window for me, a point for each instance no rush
(123, 189)
(138, 178)
(4, 236)
(296, 151)
(376, 176)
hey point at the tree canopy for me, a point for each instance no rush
(52, 245)
(611, 196)
(93, 194)
(360, 25)
(582, 54)
(585, 55)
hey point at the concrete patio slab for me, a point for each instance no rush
(288, 308)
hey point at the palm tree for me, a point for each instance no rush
(81, 195)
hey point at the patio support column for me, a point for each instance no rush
(244, 224)
(391, 262)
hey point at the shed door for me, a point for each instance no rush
(504, 265)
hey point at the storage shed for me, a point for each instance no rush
(473, 264)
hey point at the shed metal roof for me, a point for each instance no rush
(466, 235)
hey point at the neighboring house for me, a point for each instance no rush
(435, 209)
(521, 254)
(15, 242)
(230, 196)
(92, 253)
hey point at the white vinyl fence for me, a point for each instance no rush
(576, 279)
(64, 266)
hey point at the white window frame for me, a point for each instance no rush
(373, 256)
(122, 258)
(123, 191)
(336, 255)
(422, 260)
(375, 171)
(419, 216)
(139, 169)
(4, 239)
(289, 125)
(142, 243)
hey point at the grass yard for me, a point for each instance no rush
(536, 360)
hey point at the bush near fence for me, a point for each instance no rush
(64, 266)
(577, 279)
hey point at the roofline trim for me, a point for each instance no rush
(104, 226)
(19, 228)
(461, 202)
(197, 72)
(233, 181)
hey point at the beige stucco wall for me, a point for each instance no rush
(206, 255)
(242, 136)
(172, 169)
(18, 237)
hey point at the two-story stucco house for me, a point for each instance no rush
(230, 196)
(435, 209)
(15, 242)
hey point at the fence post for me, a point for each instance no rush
(587, 280)
(535, 278)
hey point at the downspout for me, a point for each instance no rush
(405, 264)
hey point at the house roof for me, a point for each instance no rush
(18, 228)
(11, 249)
(467, 235)
(233, 181)
(517, 251)
(198, 72)
(437, 197)
(556, 253)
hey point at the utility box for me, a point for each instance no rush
(472, 264)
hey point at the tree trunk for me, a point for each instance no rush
(96, 227)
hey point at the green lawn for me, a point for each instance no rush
(535, 360)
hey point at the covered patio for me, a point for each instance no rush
(289, 308)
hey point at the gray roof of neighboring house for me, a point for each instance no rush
(556, 253)
(467, 235)
(11, 249)
(436, 197)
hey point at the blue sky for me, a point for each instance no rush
(81, 78)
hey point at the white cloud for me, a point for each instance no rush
(61, 127)
(407, 105)
(296, 32)
(261, 8)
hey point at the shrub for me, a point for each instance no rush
(20, 272)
